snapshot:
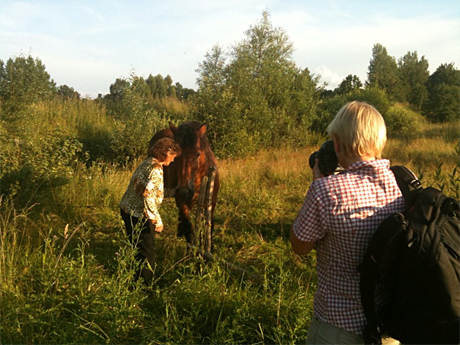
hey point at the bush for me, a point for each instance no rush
(135, 123)
(33, 163)
(131, 137)
(238, 143)
(375, 97)
(329, 107)
(326, 111)
(403, 123)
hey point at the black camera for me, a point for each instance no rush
(327, 158)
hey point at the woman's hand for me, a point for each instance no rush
(157, 228)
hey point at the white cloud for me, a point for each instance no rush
(332, 79)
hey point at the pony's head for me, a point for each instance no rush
(191, 163)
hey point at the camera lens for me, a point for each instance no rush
(312, 159)
(327, 159)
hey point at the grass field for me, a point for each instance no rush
(66, 269)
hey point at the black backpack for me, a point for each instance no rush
(410, 275)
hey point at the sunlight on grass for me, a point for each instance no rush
(67, 268)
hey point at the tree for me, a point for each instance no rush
(444, 74)
(3, 79)
(264, 77)
(127, 97)
(159, 85)
(260, 98)
(169, 87)
(414, 74)
(118, 89)
(140, 87)
(183, 93)
(263, 61)
(304, 96)
(24, 80)
(211, 82)
(443, 94)
(383, 73)
(349, 84)
(67, 92)
(212, 71)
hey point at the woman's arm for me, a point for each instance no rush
(153, 196)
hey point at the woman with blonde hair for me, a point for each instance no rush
(338, 218)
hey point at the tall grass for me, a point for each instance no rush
(67, 269)
(434, 156)
(53, 290)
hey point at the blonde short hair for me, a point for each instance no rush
(359, 129)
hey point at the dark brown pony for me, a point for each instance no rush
(184, 175)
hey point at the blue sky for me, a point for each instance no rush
(89, 44)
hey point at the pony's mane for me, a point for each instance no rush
(186, 135)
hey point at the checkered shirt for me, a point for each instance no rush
(340, 214)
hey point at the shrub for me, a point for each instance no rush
(326, 111)
(375, 97)
(329, 107)
(32, 163)
(135, 123)
(403, 123)
(130, 137)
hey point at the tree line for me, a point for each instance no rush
(252, 95)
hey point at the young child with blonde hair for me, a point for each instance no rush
(338, 218)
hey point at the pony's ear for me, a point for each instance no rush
(200, 132)
(172, 128)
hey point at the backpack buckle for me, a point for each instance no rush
(415, 183)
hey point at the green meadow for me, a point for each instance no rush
(67, 270)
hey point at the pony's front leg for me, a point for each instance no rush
(184, 228)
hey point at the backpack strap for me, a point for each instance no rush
(410, 186)
(408, 183)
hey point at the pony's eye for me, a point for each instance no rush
(198, 154)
